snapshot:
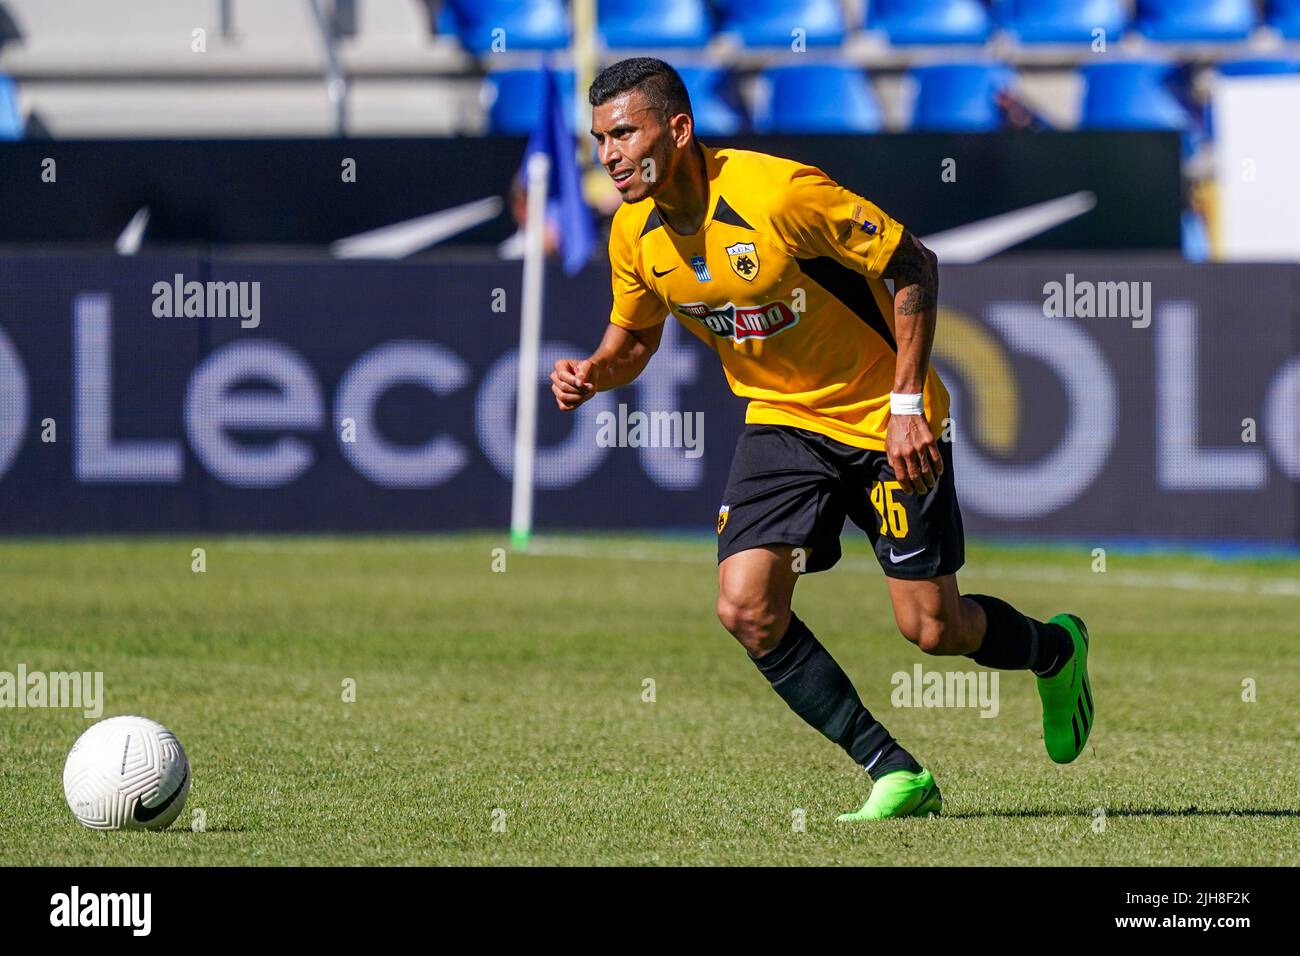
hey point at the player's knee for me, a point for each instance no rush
(929, 633)
(754, 621)
(934, 636)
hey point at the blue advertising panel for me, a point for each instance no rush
(1093, 396)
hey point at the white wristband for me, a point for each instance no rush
(901, 403)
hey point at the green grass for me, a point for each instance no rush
(523, 691)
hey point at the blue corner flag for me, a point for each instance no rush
(566, 210)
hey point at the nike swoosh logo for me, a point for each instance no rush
(976, 241)
(903, 557)
(128, 243)
(660, 275)
(401, 239)
(145, 814)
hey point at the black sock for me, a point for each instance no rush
(1014, 642)
(817, 689)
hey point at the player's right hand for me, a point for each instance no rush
(571, 383)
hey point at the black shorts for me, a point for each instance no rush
(795, 487)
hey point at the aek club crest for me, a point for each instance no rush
(744, 260)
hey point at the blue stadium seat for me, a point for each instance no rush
(1062, 21)
(930, 21)
(663, 23)
(445, 24)
(514, 99)
(527, 24)
(1284, 15)
(1259, 67)
(770, 22)
(959, 97)
(822, 98)
(1133, 94)
(11, 118)
(1196, 19)
(713, 101)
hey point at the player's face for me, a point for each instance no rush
(637, 145)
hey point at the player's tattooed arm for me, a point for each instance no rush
(914, 270)
(909, 443)
(621, 356)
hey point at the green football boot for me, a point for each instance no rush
(899, 794)
(1068, 711)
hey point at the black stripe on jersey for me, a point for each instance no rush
(653, 223)
(850, 288)
(724, 213)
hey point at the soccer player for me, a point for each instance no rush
(781, 271)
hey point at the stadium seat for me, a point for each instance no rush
(444, 23)
(959, 97)
(823, 98)
(1212, 20)
(527, 24)
(1062, 21)
(514, 99)
(11, 118)
(929, 21)
(1259, 67)
(713, 101)
(771, 22)
(665, 23)
(1284, 16)
(1133, 95)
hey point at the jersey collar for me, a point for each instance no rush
(712, 169)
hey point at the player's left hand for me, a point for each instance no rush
(913, 453)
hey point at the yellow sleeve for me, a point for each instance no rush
(816, 216)
(635, 306)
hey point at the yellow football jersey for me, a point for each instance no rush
(783, 282)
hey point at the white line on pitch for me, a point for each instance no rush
(563, 547)
(1174, 580)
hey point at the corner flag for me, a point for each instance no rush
(565, 208)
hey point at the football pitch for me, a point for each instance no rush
(584, 706)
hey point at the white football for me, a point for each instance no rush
(127, 773)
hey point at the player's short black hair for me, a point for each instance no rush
(659, 82)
